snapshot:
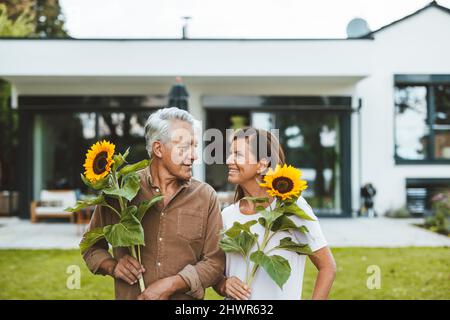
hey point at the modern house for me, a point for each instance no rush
(373, 108)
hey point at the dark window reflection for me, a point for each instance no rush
(62, 140)
(125, 130)
(311, 142)
(411, 117)
(422, 122)
(216, 174)
(442, 122)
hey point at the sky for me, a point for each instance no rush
(229, 18)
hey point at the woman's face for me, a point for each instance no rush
(242, 163)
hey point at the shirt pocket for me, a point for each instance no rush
(190, 225)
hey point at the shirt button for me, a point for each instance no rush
(159, 264)
(157, 189)
(162, 213)
(160, 239)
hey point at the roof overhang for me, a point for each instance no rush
(69, 60)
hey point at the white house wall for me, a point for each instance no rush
(419, 45)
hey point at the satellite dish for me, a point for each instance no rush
(357, 28)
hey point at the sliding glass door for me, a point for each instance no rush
(315, 138)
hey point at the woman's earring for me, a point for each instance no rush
(260, 177)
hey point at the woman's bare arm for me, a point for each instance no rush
(325, 264)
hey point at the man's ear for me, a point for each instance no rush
(157, 149)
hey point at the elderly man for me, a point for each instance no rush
(181, 256)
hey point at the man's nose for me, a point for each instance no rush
(194, 155)
(230, 159)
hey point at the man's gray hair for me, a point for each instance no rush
(158, 125)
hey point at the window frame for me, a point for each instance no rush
(430, 82)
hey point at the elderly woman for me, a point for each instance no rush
(181, 256)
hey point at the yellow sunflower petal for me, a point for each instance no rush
(99, 160)
(284, 182)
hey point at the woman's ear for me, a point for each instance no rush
(263, 165)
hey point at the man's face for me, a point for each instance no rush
(179, 153)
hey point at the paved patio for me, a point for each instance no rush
(351, 232)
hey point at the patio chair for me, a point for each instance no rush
(52, 204)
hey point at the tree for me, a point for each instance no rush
(45, 16)
(21, 18)
(20, 26)
(9, 138)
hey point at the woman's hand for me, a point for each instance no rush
(236, 289)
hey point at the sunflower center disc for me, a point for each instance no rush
(100, 162)
(282, 184)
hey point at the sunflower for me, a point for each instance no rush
(284, 182)
(99, 160)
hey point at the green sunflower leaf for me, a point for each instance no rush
(271, 215)
(289, 245)
(303, 229)
(242, 243)
(132, 168)
(276, 266)
(260, 208)
(238, 227)
(120, 159)
(294, 209)
(127, 232)
(262, 222)
(284, 223)
(131, 186)
(98, 185)
(145, 205)
(247, 241)
(90, 238)
(81, 204)
(228, 244)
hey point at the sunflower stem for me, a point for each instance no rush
(137, 257)
(112, 208)
(116, 184)
(266, 239)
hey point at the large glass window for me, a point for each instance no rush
(422, 122)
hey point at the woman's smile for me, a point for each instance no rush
(232, 170)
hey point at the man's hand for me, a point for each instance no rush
(164, 288)
(128, 269)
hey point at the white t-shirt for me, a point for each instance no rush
(263, 287)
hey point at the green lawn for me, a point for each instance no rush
(406, 273)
